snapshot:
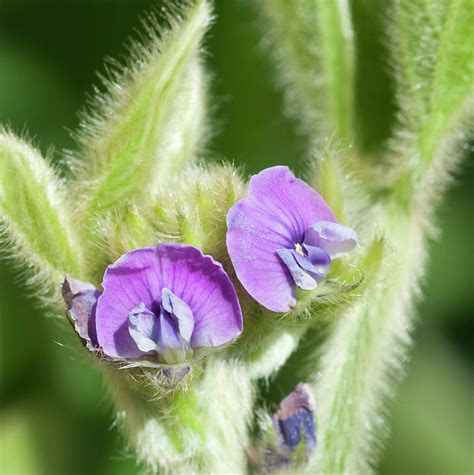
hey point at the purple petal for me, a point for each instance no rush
(180, 311)
(143, 328)
(204, 286)
(333, 238)
(300, 275)
(81, 300)
(168, 334)
(319, 259)
(131, 280)
(140, 276)
(315, 271)
(274, 215)
(290, 200)
(252, 248)
(172, 347)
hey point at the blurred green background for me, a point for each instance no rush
(54, 417)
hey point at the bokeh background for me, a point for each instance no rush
(54, 416)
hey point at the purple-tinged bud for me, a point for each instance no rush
(294, 420)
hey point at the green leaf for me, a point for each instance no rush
(415, 32)
(33, 212)
(314, 41)
(366, 352)
(152, 118)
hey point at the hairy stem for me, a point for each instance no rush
(316, 61)
(365, 351)
(201, 428)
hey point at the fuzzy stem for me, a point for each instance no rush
(162, 430)
(316, 61)
(227, 398)
(365, 350)
(201, 428)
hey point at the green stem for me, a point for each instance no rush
(316, 60)
(200, 428)
(365, 349)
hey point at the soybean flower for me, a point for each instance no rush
(161, 303)
(283, 235)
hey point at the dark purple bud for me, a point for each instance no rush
(294, 420)
(81, 301)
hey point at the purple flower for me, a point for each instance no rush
(282, 236)
(164, 302)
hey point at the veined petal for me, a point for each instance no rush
(201, 282)
(275, 214)
(134, 278)
(252, 247)
(197, 280)
(289, 199)
(332, 237)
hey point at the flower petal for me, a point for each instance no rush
(143, 328)
(274, 215)
(81, 300)
(180, 311)
(319, 259)
(252, 248)
(140, 276)
(132, 279)
(289, 199)
(201, 282)
(333, 238)
(168, 336)
(300, 275)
